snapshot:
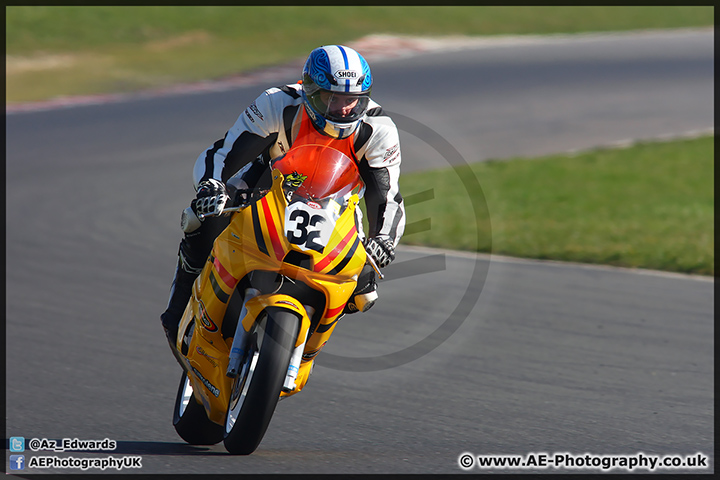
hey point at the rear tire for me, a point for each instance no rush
(256, 389)
(190, 419)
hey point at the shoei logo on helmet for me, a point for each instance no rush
(346, 74)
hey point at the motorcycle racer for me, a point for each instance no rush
(331, 105)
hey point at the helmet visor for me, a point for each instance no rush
(339, 107)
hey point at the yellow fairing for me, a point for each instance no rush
(256, 240)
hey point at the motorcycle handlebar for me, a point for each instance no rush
(375, 267)
(225, 211)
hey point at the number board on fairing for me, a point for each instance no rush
(308, 225)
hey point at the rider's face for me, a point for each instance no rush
(338, 104)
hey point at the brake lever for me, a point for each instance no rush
(375, 267)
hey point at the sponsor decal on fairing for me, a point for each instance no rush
(208, 357)
(212, 388)
(205, 319)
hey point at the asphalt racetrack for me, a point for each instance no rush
(463, 353)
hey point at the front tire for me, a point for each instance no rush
(190, 419)
(256, 390)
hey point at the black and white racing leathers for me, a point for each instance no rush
(267, 129)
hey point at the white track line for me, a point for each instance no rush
(555, 263)
(387, 47)
(629, 142)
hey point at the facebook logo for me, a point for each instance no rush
(17, 462)
(17, 444)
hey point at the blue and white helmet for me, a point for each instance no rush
(336, 89)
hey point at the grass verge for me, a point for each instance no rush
(648, 206)
(73, 50)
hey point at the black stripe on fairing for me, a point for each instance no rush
(347, 258)
(258, 230)
(325, 328)
(222, 296)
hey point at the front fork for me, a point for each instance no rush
(237, 349)
(296, 357)
(252, 304)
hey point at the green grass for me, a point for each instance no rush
(647, 206)
(126, 48)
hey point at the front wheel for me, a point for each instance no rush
(190, 419)
(256, 389)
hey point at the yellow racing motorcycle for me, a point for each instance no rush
(269, 297)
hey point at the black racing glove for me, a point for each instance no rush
(381, 249)
(210, 199)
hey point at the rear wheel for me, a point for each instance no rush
(190, 419)
(256, 389)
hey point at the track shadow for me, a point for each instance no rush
(166, 448)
